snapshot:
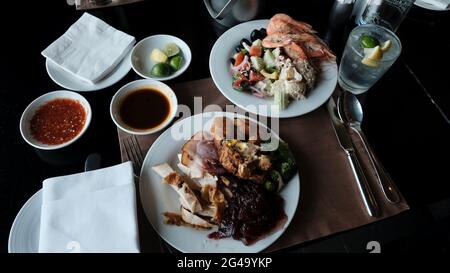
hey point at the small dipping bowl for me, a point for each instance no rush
(135, 86)
(140, 55)
(28, 114)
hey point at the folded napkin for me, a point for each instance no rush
(442, 4)
(89, 49)
(90, 212)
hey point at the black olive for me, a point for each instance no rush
(232, 61)
(263, 32)
(255, 35)
(246, 41)
(238, 48)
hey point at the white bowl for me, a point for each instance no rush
(134, 86)
(34, 106)
(140, 55)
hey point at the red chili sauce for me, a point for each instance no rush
(58, 121)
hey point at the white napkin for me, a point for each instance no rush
(90, 212)
(89, 49)
(442, 4)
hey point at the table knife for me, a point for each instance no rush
(346, 144)
(93, 162)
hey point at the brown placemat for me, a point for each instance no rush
(329, 198)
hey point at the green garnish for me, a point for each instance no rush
(175, 62)
(269, 185)
(160, 70)
(368, 41)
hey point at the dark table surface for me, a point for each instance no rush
(406, 112)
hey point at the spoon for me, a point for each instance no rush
(351, 113)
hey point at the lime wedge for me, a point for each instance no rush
(160, 70)
(175, 62)
(372, 59)
(368, 41)
(158, 56)
(171, 49)
(386, 45)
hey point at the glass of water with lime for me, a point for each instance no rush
(370, 51)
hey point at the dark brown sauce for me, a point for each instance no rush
(145, 109)
(252, 213)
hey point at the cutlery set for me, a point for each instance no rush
(346, 113)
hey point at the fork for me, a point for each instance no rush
(134, 154)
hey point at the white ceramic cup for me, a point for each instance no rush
(120, 95)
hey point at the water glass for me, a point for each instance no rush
(356, 75)
(387, 13)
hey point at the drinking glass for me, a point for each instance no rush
(355, 75)
(387, 13)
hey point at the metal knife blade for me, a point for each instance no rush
(346, 144)
(93, 162)
(339, 127)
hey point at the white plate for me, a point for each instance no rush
(24, 234)
(68, 81)
(428, 6)
(140, 55)
(221, 73)
(158, 198)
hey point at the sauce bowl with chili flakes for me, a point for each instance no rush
(55, 120)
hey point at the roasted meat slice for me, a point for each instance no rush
(199, 155)
(237, 128)
(209, 193)
(193, 219)
(180, 184)
(186, 218)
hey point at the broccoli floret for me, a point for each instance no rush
(274, 176)
(284, 153)
(288, 169)
(269, 185)
(284, 162)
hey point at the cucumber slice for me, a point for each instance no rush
(269, 58)
(257, 63)
(257, 42)
(276, 52)
(281, 99)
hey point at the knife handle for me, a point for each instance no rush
(387, 185)
(363, 186)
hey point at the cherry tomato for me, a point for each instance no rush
(255, 76)
(255, 51)
(238, 58)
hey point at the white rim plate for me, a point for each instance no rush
(68, 81)
(428, 6)
(221, 73)
(157, 198)
(141, 63)
(24, 233)
(31, 109)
